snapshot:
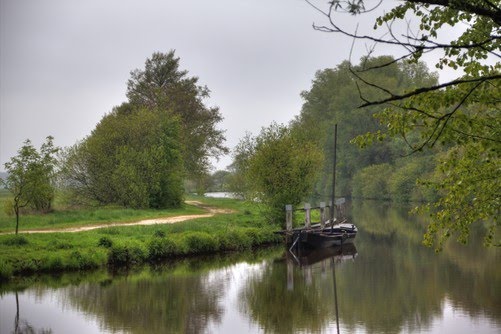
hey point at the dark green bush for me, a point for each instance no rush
(53, 263)
(16, 240)
(78, 260)
(200, 242)
(5, 271)
(120, 254)
(105, 242)
(161, 248)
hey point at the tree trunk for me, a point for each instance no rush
(16, 209)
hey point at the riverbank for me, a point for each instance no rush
(241, 227)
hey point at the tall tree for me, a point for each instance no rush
(463, 112)
(30, 177)
(334, 97)
(162, 85)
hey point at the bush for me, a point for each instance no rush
(161, 248)
(105, 242)
(235, 240)
(53, 263)
(78, 260)
(120, 254)
(200, 242)
(16, 240)
(5, 271)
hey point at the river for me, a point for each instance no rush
(387, 283)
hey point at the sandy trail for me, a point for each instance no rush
(211, 211)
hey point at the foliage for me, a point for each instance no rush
(277, 169)
(465, 170)
(30, 177)
(132, 158)
(463, 112)
(372, 182)
(163, 86)
(333, 99)
(125, 255)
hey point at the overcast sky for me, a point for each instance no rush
(65, 63)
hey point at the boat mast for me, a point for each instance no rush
(334, 176)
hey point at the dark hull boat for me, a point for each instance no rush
(330, 234)
(336, 235)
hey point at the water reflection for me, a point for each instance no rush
(389, 283)
(22, 326)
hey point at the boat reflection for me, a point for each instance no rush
(308, 257)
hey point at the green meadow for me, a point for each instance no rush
(29, 253)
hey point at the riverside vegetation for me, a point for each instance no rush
(25, 254)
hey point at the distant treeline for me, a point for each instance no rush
(378, 171)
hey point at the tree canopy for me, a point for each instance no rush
(276, 168)
(163, 86)
(132, 158)
(462, 114)
(333, 99)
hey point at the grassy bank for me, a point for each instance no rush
(125, 246)
(63, 217)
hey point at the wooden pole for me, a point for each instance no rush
(307, 222)
(288, 217)
(323, 216)
(334, 175)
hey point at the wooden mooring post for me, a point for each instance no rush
(288, 217)
(307, 220)
(322, 215)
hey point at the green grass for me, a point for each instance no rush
(126, 246)
(64, 218)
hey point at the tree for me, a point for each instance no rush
(162, 85)
(462, 114)
(30, 177)
(276, 169)
(132, 158)
(333, 99)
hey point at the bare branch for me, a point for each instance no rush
(427, 89)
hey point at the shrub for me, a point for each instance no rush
(125, 255)
(5, 271)
(200, 242)
(53, 263)
(235, 240)
(105, 242)
(161, 248)
(78, 260)
(16, 240)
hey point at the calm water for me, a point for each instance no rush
(388, 283)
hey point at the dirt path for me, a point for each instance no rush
(211, 211)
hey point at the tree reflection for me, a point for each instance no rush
(21, 326)
(154, 302)
(394, 285)
(266, 299)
